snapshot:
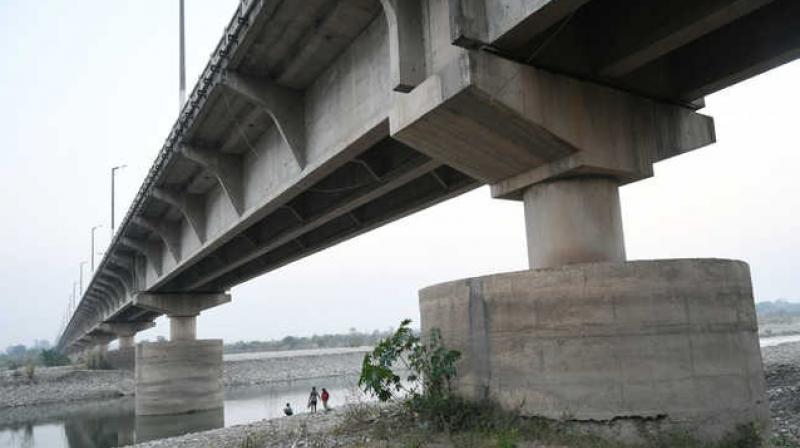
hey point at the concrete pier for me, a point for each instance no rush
(583, 333)
(183, 375)
(575, 220)
(671, 340)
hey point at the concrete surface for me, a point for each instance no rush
(178, 377)
(124, 358)
(321, 105)
(669, 339)
(576, 220)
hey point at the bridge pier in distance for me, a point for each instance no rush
(124, 357)
(184, 374)
(584, 334)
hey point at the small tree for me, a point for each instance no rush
(431, 368)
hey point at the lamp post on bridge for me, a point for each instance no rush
(93, 229)
(113, 174)
(72, 300)
(80, 288)
(182, 58)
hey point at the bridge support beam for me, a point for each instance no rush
(583, 332)
(183, 374)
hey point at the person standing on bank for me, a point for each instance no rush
(312, 399)
(325, 396)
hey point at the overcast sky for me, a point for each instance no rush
(85, 85)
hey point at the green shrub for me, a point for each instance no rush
(430, 367)
(52, 358)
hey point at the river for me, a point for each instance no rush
(112, 423)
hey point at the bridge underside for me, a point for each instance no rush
(316, 121)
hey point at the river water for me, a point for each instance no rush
(112, 423)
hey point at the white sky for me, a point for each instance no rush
(89, 84)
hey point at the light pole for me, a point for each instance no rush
(113, 173)
(74, 295)
(182, 59)
(93, 229)
(80, 289)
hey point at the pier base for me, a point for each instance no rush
(671, 340)
(178, 377)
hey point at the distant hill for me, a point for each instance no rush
(779, 307)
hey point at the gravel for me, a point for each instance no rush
(275, 367)
(782, 366)
(303, 430)
(63, 384)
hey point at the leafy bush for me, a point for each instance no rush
(52, 358)
(426, 388)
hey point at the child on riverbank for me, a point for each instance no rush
(325, 396)
(312, 399)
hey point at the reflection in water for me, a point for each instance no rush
(112, 423)
(153, 427)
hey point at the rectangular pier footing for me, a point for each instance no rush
(178, 377)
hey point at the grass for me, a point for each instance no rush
(484, 426)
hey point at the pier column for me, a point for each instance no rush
(124, 357)
(183, 374)
(583, 332)
(576, 220)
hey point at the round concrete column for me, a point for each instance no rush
(126, 341)
(101, 349)
(182, 328)
(574, 220)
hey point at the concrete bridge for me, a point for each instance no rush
(319, 120)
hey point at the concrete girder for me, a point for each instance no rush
(695, 20)
(112, 286)
(152, 254)
(90, 302)
(189, 304)
(477, 23)
(168, 232)
(286, 107)
(123, 275)
(406, 43)
(123, 261)
(102, 302)
(190, 205)
(110, 300)
(388, 183)
(227, 168)
(123, 278)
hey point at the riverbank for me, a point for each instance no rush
(782, 369)
(68, 384)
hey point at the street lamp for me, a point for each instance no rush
(80, 289)
(113, 173)
(182, 59)
(93, 229)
